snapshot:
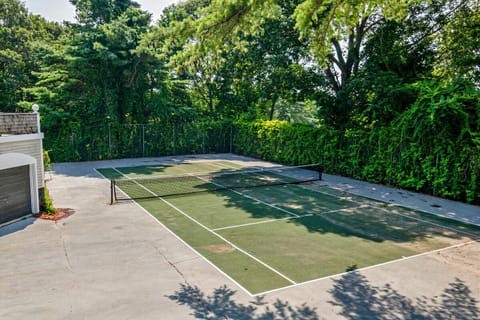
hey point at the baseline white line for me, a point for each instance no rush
(366, 268)
(260, 222)
(211, 231)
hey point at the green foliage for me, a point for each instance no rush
(47, 207)
(322, 21)
(391, 85)
(269, 68)
(459, 44)
(47, 162)
(389, 155)
(19, 31)
(114, 140)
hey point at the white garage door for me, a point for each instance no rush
(15, 199)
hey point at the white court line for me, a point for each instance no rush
(366, 268)
(225, 166)
(184, 243)
(398, 214)
(296, 284)
(248, 197)
(288, 218)
(389, 262)
(247, 224)
(330, 211)
(261, 222)
(211, 231)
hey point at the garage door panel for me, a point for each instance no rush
(14, 193)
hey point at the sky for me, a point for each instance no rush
(60, 10)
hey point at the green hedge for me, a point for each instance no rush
(415, 152)
(381, 155)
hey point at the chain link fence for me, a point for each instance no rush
(113, 141)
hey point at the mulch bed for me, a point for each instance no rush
(59, 214)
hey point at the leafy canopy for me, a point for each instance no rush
(319, 21)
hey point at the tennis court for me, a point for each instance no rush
(272, 229)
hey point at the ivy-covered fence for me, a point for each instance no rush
(114, 141)
(383, 155)
(411, 154)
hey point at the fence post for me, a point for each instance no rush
(231, 138)
(174, 138)
(143, 140)
(109, 141)
(72, 146)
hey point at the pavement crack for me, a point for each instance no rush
(173, 265)
(65, 251)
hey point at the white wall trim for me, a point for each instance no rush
(21, 137)
(12, 160)
(33, 188)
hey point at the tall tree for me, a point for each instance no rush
(98, 12)
(20, 31)
(459, 42)
(104, 58)
(334, 31)
(251, 74)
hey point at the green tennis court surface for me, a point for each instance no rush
(270, 237)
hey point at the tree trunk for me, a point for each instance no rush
(272, 108)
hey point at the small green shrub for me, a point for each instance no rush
(47, 206)
(46, 160)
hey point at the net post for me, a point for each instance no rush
(112, 191)
(319, 169)
(231, 138)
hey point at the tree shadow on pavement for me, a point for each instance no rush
(221, 305)
(352, 293)
(358, 300)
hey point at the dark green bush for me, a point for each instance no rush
(384, 155)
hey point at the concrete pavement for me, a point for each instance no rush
(117, 262)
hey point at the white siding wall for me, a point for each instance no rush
(27, 144)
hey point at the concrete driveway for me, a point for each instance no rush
(117, 262)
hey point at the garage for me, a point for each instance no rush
(15, 199)
(18, 187)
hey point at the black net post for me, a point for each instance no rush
(231, 138)
(319, 169)
(112, 191)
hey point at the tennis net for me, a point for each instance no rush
(173, 185)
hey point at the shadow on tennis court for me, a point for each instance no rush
(359, 299)
(361, 218)
(222, 305)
